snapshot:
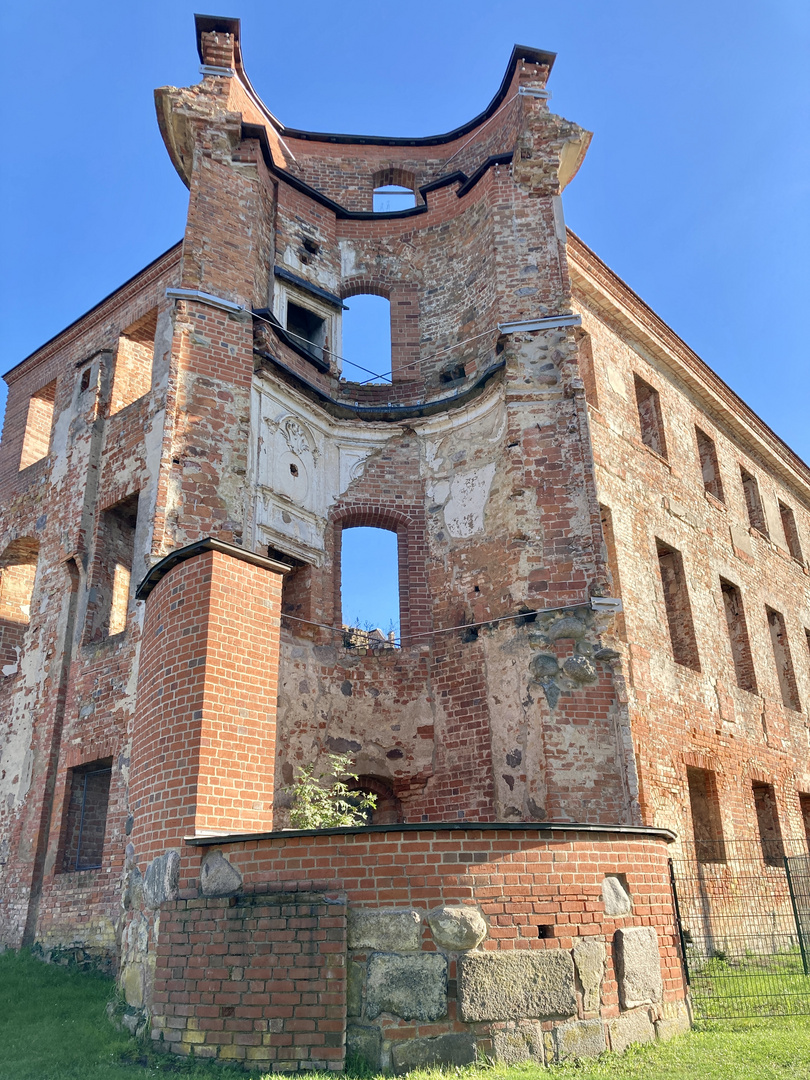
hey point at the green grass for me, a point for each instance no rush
(750, 986)
(53, 1026)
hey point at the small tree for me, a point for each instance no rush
(324, 800)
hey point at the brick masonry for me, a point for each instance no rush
(528, 472)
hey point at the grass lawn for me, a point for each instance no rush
(53, 1026)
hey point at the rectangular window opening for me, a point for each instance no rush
(132, 378)
(610, 551)
(783, 660)
(770, 832)
(369, 587)
(649, 417)
(753, 503)
(738, 637)
(791, 532)
(108, 606)
(307, 329)
(678, 608)
(708, 465)
(88, 793)
(38, 426)
(707, 825)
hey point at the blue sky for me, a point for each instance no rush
(694, 190)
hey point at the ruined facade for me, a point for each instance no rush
(177, 469)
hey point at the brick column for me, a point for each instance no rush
(204, 742)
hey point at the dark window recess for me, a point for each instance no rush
(804, 807)
(707, 826)
(791, 532)
(753, 503)
(307, 329)
(679, 611)
(86, 815)
(613, 565)
(108, 606)
(738, 637)
(649, 417)
(770, 833)
(708, 465)
(783, 660)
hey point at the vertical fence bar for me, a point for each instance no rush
(675, 901)
(796, 916)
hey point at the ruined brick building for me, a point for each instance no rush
(177, 469)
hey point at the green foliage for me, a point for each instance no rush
(325, 800)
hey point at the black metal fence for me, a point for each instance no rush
(744, 918)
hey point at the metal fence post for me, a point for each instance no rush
(802, 948)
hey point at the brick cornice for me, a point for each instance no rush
(596, 285)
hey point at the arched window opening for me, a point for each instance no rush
(367, 338)
(389, 198)
(18, 568)
(369, 577)
(388, 809)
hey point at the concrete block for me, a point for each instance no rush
(638, 966)
(516, 985)
(384, 929)
(413, 987)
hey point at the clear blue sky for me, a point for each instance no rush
(695, 188)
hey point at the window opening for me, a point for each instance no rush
(388, 809)
(738, 637)
(678, 608)
(132, 378)
(753, 503)
(707, 825)
(366, 338)
(18, 568)
(112, 570)
(309, 329)
(38, 425)
(783, 659)
(791, 532)
(369, 579)
(770, 832)
(708, 464)
(649, 417)
(613, 565)
(392, 197)
(86, 815)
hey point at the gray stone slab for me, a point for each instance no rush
(218, 877)
(516, 985)
(589, 957)
(579, 1039)
(457, 1048)
(355, 977)
(161, 880)
(638, 966)
(384, 929)
(629, 1028)
(364, 1044)
(616, 897)
(519, 1042)
(413, 987)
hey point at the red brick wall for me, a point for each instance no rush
(204, 742)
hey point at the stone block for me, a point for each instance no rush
(516, 985)
(218, 877)
(616, 896)
(638, 966)
(161, 879)
(589, 957)
(675, 1020)
(518, 1042)
(457, 1048)
(355, 976)
(578, 1039)
(457, 928)
(364, 1044)
(132, 984)
(629, 1028)
(413, 987)
(384, 929)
